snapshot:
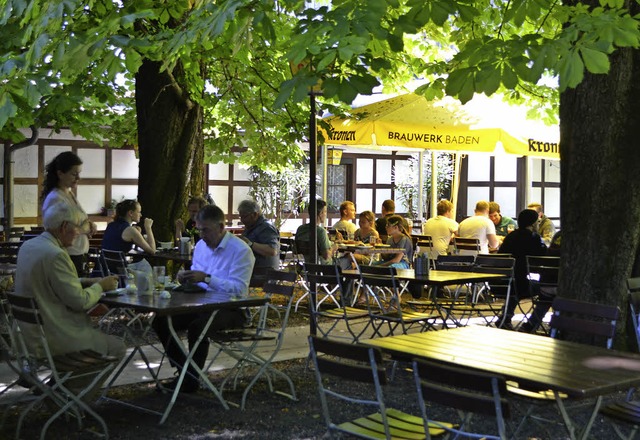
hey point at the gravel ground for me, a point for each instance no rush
(268, 416)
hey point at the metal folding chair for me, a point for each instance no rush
(544, 272)
(325, 291)
(335, 362)
(248, 346)
(378, 281)
(322, 275)
(468, 391)
(86, 367)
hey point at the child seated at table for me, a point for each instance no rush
(398, 238)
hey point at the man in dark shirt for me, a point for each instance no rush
(520, 243)
(388, 209)
(262, 237)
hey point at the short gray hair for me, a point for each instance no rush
(249, 207)
(58, 213)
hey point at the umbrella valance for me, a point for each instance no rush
(411, 121)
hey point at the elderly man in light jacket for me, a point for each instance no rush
(45, 271)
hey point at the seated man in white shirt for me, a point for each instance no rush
(479, 226)
(222, 264)
(345, 224)
(441, 228)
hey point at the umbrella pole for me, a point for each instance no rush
(313, 233)
(456, 182)
(421, 204)
(434, 184)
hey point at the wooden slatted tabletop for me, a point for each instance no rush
(535, 360)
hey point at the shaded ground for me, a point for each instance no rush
(267, 416)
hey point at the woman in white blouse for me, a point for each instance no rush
(61, 181)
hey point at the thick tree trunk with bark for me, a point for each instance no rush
(600, 189)
(170, 146)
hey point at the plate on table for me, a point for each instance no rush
(116, 292)
(171, 286)
(189, 288)
(364, 247)
(382, 245)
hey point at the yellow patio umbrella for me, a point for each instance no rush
(411, 121)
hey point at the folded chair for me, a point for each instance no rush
(86, 367)
(596, 324)
(336, 362)
(320, 275)
(468, 391)
(258, 347)
(389, 312)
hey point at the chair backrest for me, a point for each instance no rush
(455, 262)
(494, 262)
(416, 225)
(322, 273)
(501, 287)
(9, 252)
(323, 278)
(279, 283)
(544, 273)
(466, 246)
(378, 270)
(595, 322)
(286, 250)
(633, 315)
(463, 389)
(95, 259)
(347, 362)
(378, 283)
(303, 248)
(116, 264)
(423, 242)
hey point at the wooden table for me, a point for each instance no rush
(531, 360)
(179, 303)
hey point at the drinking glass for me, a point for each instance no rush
(158, 277)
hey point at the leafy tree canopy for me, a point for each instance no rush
(72, 63)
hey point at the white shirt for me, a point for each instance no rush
(478, 226)
(230, 265)
(80, 245)
(440, 229)
(345, 225)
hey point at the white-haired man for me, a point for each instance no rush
(45, 272)
(262, 237)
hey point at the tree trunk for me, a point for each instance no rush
(600, 185)
(170, 146)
